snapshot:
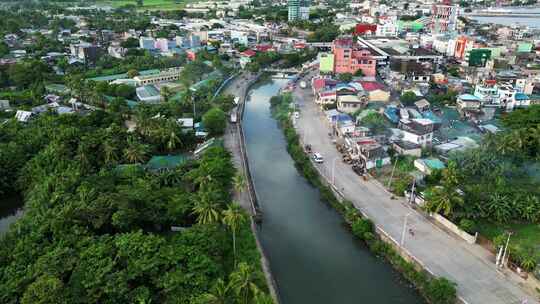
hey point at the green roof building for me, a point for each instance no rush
(326, 63)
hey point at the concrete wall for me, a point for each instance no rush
(471, 239)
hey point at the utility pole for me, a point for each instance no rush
(505, 249)
(392, 174)
(411, 196)
(333, 171)
(403, 231)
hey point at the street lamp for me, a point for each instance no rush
(404, 228)
(333, 170)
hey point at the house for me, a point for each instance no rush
(4, 105)
(375, 91)
(246, 57)
(428, 165)
(23, 116)
(422, 105)
(407, 148)
(351, 103)
(467, 102)
(417, 131)
(368, 151)
(186, 123)
(520, 100)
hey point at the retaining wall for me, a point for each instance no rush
(471, 239)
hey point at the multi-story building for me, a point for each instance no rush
(444, 17)
(298, 9)
(487, 92)
(146, 43)
(349, 57)
(167, 75)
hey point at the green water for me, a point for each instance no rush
(313, 257)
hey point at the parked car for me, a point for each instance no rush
(296, 115)
(317, 157)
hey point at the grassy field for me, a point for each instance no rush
(522, 233)
(148, 4)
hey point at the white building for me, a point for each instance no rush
(417, 131)
(146, 43)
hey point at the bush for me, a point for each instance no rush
(215, 121)
(399, 185)
(361, 226)
(441, 291)
(467, 225)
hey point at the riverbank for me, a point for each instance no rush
(234, 141)
(435, 290)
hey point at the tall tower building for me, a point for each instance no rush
(299, 9)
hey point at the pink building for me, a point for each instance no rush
(350, 57)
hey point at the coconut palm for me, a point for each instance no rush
(239, 183)
(443, 199)
(110, 151)
(243, 282)
(206, 209)
(135, 152)
(219, 294)
(233, 217)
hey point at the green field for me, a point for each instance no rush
(148, 4)
(523, 234)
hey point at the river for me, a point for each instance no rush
(508, 20)
(313, 257)
(10, 211)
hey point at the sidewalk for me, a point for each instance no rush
(470, 266)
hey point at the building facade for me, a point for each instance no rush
(349, 57)
(298, 9)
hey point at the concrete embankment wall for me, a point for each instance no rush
(252, 192)
(471, 239)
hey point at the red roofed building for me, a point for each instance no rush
(365, 29)
(264, 47)
(245, 57)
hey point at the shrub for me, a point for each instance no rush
(361, 226)
(441, 291)
(467, 225)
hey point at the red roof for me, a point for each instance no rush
(263, 47)
(318, 83)
(363, 28)
(299, 45)
(371, 85)
(248, 53)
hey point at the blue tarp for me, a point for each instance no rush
(392, 113)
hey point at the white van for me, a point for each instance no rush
(317, 157)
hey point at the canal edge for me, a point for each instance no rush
(256, 213)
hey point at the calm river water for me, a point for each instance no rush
(313, 257)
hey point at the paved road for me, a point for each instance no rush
(231, 138)
(470, 266)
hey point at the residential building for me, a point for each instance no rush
(146, 43)
(466, 103)
(326, 63)
(444, 17)
(349, 57)
(417, 131)
(298, 9)
(351, 103)
(368, 151)
(487, 92)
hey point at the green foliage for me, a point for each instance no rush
(324, 33)
(215, 121)
(467, 225)
(441, 291)
(345, 77)
(98, 231)
(362, 226)
(408, 98)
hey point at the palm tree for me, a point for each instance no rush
(206, 209)
(110, 151)
(233, 217)
(243, 282)
(239, 182)
(135, 152)
(220, 293)
(261, 297)
(165, 93)
(443, 199)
